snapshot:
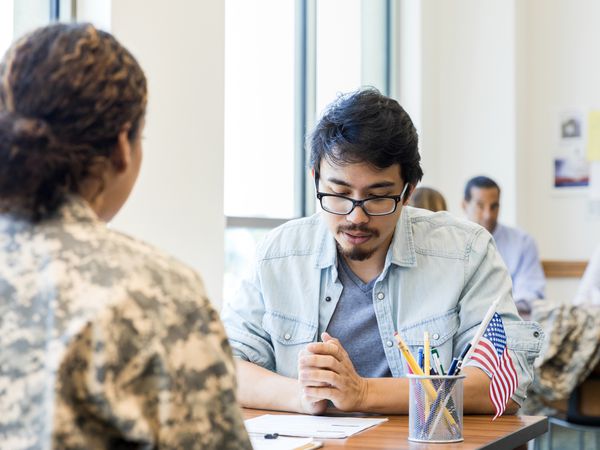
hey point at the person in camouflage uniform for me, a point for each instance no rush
(105, 342)
(569, 354)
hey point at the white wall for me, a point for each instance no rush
(177, 203)
(561, 71)
(29, 14)
(468, 97)
(495, 76)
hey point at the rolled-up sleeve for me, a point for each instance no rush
(243, 319)
(486, 279)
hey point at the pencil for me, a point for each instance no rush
(427, 354)
(426, 365)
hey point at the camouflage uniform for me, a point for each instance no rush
(569, 354)
(107, 343)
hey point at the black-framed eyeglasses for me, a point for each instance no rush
(372, 206)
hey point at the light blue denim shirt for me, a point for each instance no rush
(441, 274)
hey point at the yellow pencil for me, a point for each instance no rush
(410, 359)
(427, 384)
(426, 367)
(427, 351)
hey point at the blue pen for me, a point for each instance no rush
(461, 359)
(420, 358)
(453, 365)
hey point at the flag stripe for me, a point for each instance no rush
(491, 353)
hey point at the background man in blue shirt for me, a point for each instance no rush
(315, 321)
(517, 248)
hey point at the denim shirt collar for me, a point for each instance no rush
(401, 252)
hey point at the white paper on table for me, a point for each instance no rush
(283, 443)
(323, 427)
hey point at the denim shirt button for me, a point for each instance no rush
(287, 336)
(435, 336)
(381, 296)
(536, 334)
(389, 343)
(327, 299)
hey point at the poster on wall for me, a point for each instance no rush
(571, 127)
(571, 166)
(593, 155)
(593, 144)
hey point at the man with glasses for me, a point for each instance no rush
(315, 322)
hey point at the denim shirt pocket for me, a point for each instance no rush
(441, 329)
(288, 337)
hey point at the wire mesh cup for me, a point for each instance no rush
(435, 411)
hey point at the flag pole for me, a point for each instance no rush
(484, 323)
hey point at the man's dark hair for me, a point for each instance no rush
(479, 182)
(366, 126)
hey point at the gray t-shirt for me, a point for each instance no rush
(354, 323)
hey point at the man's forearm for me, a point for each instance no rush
(386, 396)
(263, 389)
(477, 394)
(390, 395)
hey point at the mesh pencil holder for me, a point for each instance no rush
(435, 411)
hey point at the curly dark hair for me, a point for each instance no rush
(66, 91)
(366, 126)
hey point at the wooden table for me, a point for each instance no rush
(506, 432)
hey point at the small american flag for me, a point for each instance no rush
(491, 353)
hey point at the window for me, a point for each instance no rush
(338, 50)
(18, 17)
(259, 108)
(6, 24)
(285, 60)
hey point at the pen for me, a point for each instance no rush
(437, 361)
(461, 359)
(453, 366)
(420, 358)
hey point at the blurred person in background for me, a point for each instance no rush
(517, 248)
(428, 198)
